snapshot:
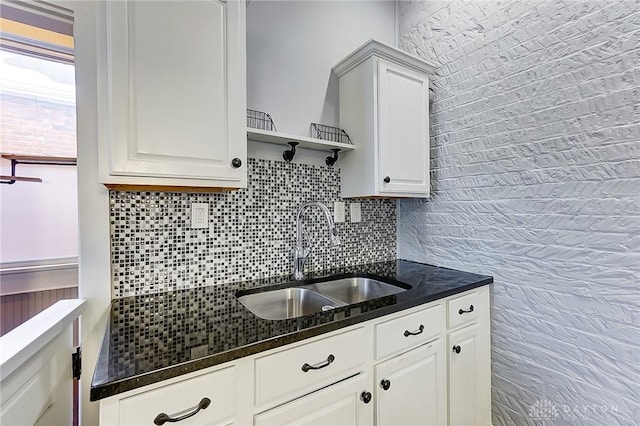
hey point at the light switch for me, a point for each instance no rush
(199, 215)
(356, 212)
(338, 212)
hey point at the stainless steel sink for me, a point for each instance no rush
(355, 289)
(287, 303)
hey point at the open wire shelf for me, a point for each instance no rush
(260, 120)
(329, 133)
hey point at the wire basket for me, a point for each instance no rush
(260, 120)
(329, 133)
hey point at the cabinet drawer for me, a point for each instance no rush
(183, 397)
(464, 309)
(338, 404)
(408, 331)
(305, 368)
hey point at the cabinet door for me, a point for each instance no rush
(411, 389)
(469, 377)
(403, 130)
(340, 404)
(176, 90)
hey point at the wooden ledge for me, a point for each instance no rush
(40, 159)
(20, 178)
(164, 188)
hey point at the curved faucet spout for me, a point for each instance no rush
(301, 252)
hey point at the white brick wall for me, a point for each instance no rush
(536, 181)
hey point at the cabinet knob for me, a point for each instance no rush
(236, 162)
(386, 179)
(385, 384)
(457, 349)
(365, 397)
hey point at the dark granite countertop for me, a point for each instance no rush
(152, 337)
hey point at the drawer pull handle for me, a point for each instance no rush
(457, 349)
(306, 367)
(385, 384)
(163, 418)
(462, 311)
(408, 333)
(365, 397)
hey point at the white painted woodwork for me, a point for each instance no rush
(271, 388)
(417, 395)
(403, 126)
(183, 397)
(458, 308)
(390, 338)
(358, 169)
(279, 138)
(338, 405)
(38, 275)
(280, 374)
(469, 372)
(384, 107)
(176, 98)
(462, 375)
(35, 371)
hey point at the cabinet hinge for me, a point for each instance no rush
(76, 363)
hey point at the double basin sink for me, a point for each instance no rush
(300, 300)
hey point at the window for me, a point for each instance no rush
(38, 221)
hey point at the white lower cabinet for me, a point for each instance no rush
(428, 365)
(411, 389)
(469, 362)
(347, 403)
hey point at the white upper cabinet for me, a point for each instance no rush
(384, 107)
(174, 93)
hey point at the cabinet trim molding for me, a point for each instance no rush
(384, 51)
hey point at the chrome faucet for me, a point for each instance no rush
(302, 251)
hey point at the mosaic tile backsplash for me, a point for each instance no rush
(251, 231)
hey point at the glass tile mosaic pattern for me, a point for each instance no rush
(251, 231)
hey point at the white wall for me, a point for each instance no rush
(291, 47)
(39, 220)
(536, 177)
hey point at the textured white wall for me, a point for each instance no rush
(536, 181)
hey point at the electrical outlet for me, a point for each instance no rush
(356, 212)
(199, 215)
(338, 212)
